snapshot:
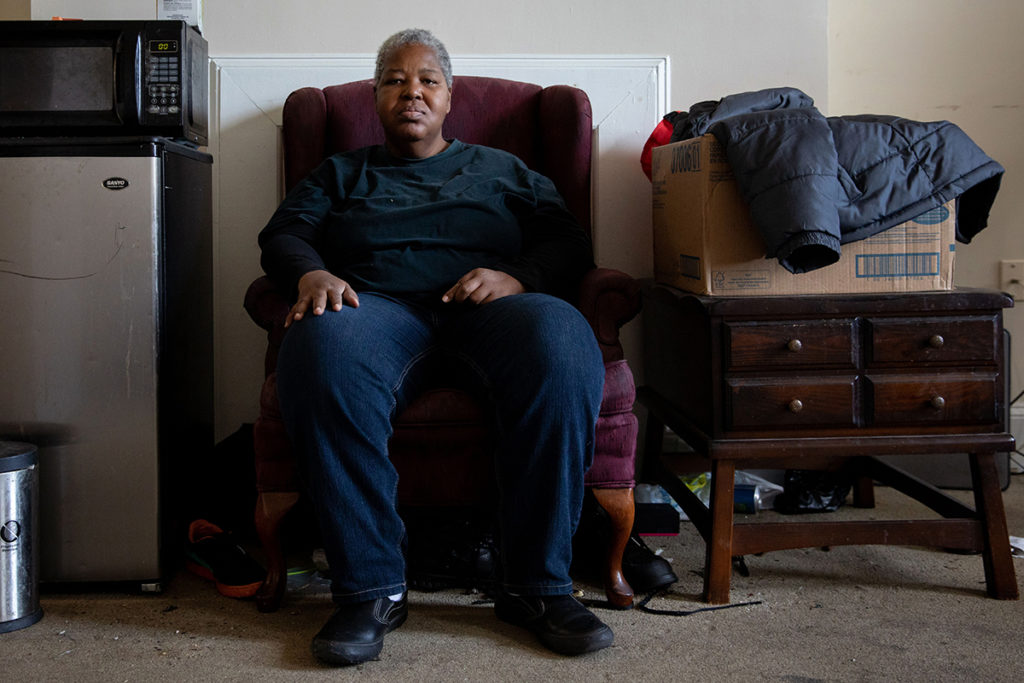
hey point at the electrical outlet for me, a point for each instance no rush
(1011, 278)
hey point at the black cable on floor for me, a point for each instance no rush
(642, 606)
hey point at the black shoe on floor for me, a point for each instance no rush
(643, 569)
(560, 622)
(355, 633)
(456, 555)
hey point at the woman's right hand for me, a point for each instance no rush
(317, 289)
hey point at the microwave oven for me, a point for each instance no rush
(103, 78)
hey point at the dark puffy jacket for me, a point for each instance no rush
(814, 183)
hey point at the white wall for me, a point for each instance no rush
(945, 60)
(717, 46)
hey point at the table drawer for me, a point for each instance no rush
(770, 403)
(796, 344)
(955, 398)
(963, 339)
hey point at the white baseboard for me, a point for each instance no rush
(1017, 429)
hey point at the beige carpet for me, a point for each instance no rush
(869, 613)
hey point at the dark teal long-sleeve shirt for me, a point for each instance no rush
(412, 228)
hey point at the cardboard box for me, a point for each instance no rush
(705, 242)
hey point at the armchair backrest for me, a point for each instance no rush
(548, 128)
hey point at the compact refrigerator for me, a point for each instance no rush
(106, 345)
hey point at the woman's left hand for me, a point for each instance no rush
(482, 285)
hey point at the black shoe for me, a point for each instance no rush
(645, 571)
(355, 633)
(561, 623)
(451, 553)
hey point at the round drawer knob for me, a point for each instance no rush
(936, 341)
(795, 345)
(796, 405)
(938, 402)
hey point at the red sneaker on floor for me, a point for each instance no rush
(213, 554)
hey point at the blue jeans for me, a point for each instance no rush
(343, 376)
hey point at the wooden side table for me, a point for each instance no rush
(830, 382)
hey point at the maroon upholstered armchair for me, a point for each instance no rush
(441, 444)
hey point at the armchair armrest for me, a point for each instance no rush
(268, 307)
(608, 300)
(266, 304)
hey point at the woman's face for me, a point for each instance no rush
(412, 102)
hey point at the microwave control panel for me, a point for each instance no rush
(163, 78)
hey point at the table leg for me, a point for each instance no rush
(988, 501)
(654, 434)
(863, 491)
(718, 557)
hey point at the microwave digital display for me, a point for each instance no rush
(165, 46)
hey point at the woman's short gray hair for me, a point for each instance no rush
(414, 36)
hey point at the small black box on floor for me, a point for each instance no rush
(656, 519)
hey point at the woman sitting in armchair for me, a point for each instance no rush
(418, 253)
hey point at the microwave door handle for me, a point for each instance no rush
(127, 87)
(136, 76)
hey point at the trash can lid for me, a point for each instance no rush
(15, 455)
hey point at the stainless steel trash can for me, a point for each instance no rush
(19, 555)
